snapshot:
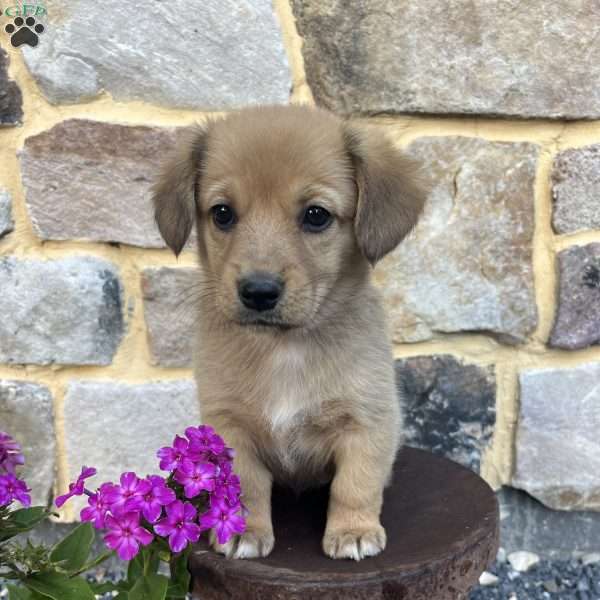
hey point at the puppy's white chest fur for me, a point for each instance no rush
(287, 400)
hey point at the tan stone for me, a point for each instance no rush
(499, 57)
(169, 310)
(468, 264)
(557, 442)
(89, 180)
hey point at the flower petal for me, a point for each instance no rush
(178, 541)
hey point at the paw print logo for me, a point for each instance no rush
(24, 31)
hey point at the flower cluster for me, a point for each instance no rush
(200, 493)
(11, 488)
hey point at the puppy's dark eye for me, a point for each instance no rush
(316, 219)
(223, 216)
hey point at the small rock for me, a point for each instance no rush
(487, 578)
(522, 561)
(501, 556)
(583, 585)
(590, 559)
(551, 586)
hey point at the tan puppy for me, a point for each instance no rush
(294, 368)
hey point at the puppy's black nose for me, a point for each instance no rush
(260, 291)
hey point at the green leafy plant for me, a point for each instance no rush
(150, 523)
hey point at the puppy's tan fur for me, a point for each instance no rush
(309, 397)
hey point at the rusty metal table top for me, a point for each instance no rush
(442, 527)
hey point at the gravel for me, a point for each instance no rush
(576, 579)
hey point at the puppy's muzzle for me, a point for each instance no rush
(260, 291)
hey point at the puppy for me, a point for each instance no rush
(292, 207)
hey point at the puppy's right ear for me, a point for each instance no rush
(175, 193)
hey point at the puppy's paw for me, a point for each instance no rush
(355, 543)
(251, 544)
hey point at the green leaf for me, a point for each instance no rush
(145, 563)
(135, 570)
(21, 521)
(103, 588)
(175, 592)
(22, 593)
(95, 562)
(18, 593)
(59, 587)
(122, 596)
(180, 575)
(72, 551)
(149, 587)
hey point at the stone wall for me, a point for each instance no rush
(494, 301)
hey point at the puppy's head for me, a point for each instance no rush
(289, 203)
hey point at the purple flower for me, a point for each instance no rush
(125, 534)
(227, 485)
(204, 439)
(156, 496)
(128, 496)
(10, 454)
(179, 525)
(12, 489)
(98, 507)
(172, 457)
(77, 488)
(224, 519)
(196, 477)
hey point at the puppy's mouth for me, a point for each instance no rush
(264, 320)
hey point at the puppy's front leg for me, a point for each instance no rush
(257, 541)
(362, 470)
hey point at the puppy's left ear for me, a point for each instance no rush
(174, 194)
(390, 195)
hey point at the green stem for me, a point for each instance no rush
(147, 561)
(97, 561)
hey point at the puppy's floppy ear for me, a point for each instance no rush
(390, 195)
(174, 194)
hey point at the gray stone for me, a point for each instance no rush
(577, 322)
(169, 310)
(555, 534)
(450, 407)
(498, 57)
(209, 55)
(590, 558)
(118, 427)
(64, 311)
(522, 561)
(468, 264)
(11, 99)
(487, 579)
(557, 442)
(88, 180)
(26, 414)
(6, 222)
(576, 189)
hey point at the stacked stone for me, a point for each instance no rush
(71, 384)
(499, 371)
